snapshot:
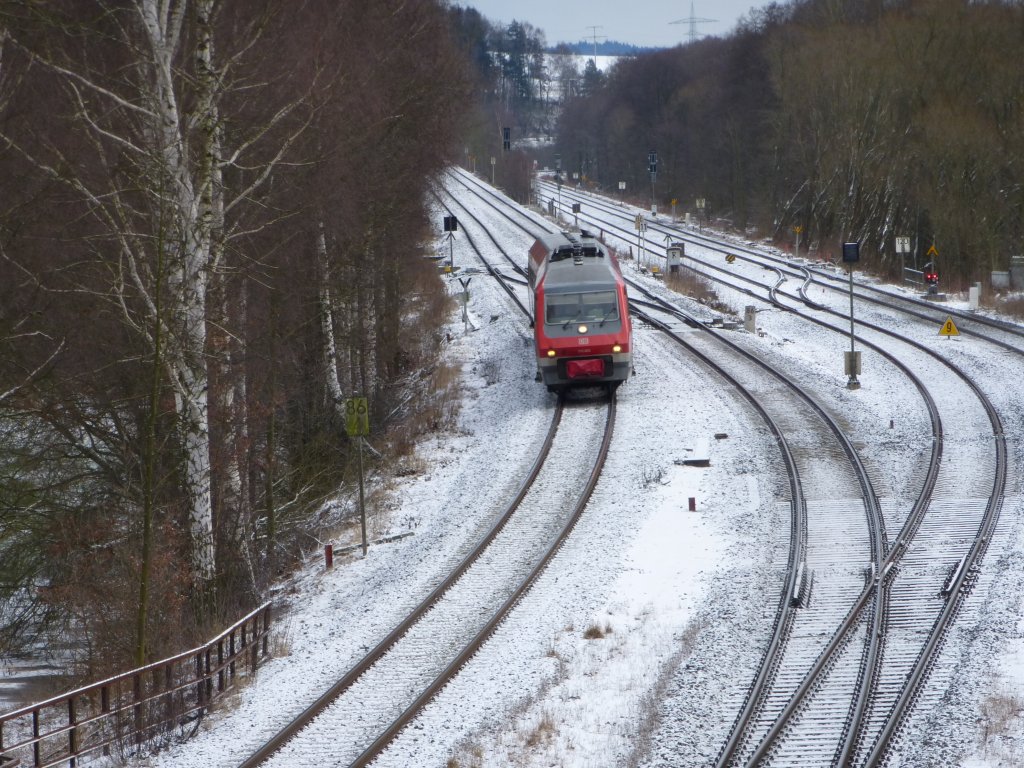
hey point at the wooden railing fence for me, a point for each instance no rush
(124, 712)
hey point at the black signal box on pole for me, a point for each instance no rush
(451, 224)
(506, 139)
(851, 252)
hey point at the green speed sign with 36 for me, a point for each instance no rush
(357, 417)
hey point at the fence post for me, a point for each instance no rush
(105, 709)
(137, 693)
(169, 697)
(200, 683)
(72, 732)
(231, 655)
(36, 750)
(266, 629)
(209, 678)
(220, 666)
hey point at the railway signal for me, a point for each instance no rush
(451, 226)
(652, 166)
(851, 255)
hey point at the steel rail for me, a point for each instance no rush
(349, 679)
(460, 660)
(876, 530)
(885, 568)
(883, 298)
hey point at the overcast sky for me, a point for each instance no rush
(640, 22)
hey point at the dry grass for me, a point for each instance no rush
(436, 410)
(595, 632)
(542, 732)
(1009, 305)
(696, 287)
(280, 643)
(1000, 721)
(647, 718)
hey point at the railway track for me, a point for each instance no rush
(910, 595)
(381, 695)
(708, 261)
(361, 714)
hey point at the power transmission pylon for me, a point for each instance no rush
(595, 36)
(693, 21)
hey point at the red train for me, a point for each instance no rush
(581, 322)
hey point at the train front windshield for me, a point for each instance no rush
(591, 307)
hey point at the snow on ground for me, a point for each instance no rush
(624, 647)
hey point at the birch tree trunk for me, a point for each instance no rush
(330, 348)
(189, 272)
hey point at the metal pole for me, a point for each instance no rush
(852, 383)
(851, 308)
(362, 498)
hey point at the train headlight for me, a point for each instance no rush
(583, 329)
(551, 353)
(617, 348)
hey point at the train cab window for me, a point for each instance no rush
(592, 306)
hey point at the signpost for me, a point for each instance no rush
(902, 249)
(641, 227)
(949, 328)
(357, 425)
(465, 303)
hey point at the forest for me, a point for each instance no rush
(845, 119)
(212, 233)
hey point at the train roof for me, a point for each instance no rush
(577, 263)
(563, 245)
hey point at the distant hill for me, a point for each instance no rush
(606, 48)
